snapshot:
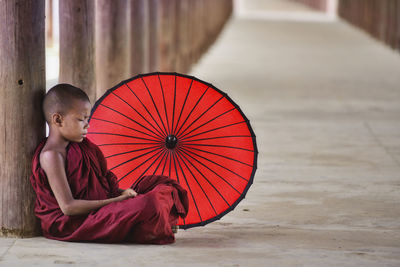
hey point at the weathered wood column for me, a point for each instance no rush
(112, 44)
(77, 45)
(181, 39)
(166, 44)
(22, 86)
(198, 27)
(380, 18)
(154, 34)
(174, 33)
(139, 37)
(49, 23)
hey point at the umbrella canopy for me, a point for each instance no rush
(177, 125)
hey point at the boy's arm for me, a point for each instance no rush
(52, 163)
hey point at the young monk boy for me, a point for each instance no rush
(77, 197)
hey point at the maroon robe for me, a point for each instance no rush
(146, 218)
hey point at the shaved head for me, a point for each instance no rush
(60, 99)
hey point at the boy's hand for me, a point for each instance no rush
(129, 192)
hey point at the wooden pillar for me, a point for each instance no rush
(182, 35)
(49, 23)
(22, 86)
(177, 36)
(388, 20)
(77, 51)
(154, 34)
(167, 45)
(204, 18)
(398, 28)
(211, 22)
(191, 20)
(112, 43)
(139, 37)
(380, 18)
(391, 40)
(199, 29)
(177, 32)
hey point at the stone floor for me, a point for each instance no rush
(324, 101)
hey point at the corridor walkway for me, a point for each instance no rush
(324, 101)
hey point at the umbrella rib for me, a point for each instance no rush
(165, 153)
(208, 181)
(218, 137)
(214, 163)
(130, 136)
(137, 113)
(155, 106)
(187, 153)
(173, 108)
(160, 152)
(136, 182)
(129, 118)
(233, 147)
(127, 152)
(201, 115)
(165, 105)
(129, 160)
(205, 151)
(176, 170)
(184, 103)
(139, 164)
(187, 117)
(116, 123)
(177, 176)
(216, 117)
(187, 183)
(170, 166)
(218, 128)
(145, 108)
(165, 162)
(118, 144)
(202, 189)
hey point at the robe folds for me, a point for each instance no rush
(146, 218)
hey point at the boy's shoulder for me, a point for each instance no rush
(51, 154)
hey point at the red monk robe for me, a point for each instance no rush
(146, 218)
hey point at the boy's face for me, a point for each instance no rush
(75, 122)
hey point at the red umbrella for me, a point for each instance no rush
(182, 127)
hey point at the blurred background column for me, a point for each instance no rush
(154, 34)
(139, 37)
(112, 44)
(380, 18)
(77, 45)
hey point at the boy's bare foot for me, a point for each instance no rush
(174, 228)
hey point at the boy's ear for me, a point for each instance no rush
(56, 119)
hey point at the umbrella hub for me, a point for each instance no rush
(171, 141)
